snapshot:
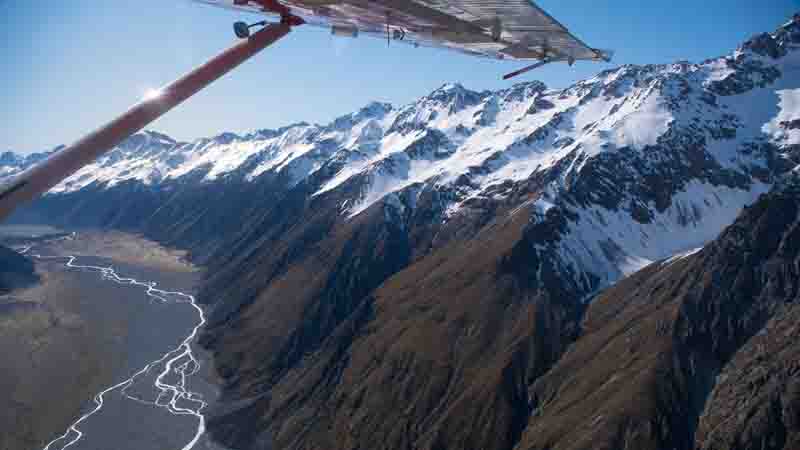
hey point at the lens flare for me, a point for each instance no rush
(151, 94)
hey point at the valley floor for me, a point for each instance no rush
(76, 332)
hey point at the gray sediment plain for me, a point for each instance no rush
(74, 334)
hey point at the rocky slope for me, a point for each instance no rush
(697, 351)
(413, 276)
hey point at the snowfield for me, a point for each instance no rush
(645, 161)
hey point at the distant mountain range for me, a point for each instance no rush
(445, 274)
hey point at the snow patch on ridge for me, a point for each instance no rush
(785, 127)
(611, 245)
(680, 255)
(643, 127)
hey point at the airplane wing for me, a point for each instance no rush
(499, 29)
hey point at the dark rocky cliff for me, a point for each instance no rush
(361, 299)
(693, 352)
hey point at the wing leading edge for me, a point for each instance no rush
(499, 29)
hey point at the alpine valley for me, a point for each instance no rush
(611, 265)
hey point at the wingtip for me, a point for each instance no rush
(604, 55)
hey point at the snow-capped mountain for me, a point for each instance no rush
(440, 255)
(645, 160)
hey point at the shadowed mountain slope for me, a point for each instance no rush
(16, 271)
(417, 276)
(693, 352)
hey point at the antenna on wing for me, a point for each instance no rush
(497, 29)
(388, 40)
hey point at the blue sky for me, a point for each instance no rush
(70, 66)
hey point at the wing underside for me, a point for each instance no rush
(499, 29)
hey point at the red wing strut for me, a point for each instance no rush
(499, 29)
(40, 178)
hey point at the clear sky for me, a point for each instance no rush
(70, 66)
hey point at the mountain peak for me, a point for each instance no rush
(449, 90)
(523, 90)
(764, 44)
(471, 218)
(152, 134)
(374, 109)
(776, 44)
(147, 139)
(454, 95)
(376, 106)
(451, 87)
(226, 137)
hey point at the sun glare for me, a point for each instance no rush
(151, 93)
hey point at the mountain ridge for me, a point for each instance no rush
(442, 255)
